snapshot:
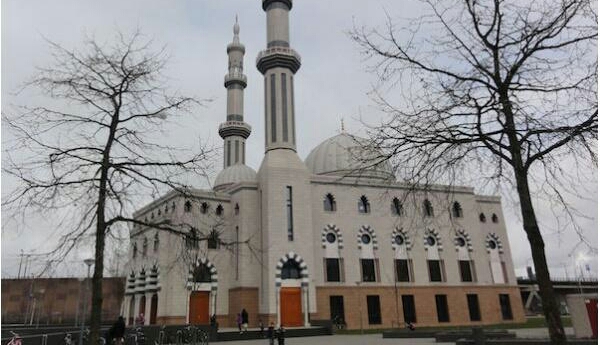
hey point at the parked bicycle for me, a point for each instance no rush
(15, 340)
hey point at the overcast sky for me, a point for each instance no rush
(332, 84)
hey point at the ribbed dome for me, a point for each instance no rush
(234, 174)
(342, 155)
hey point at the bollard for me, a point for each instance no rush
(478, 336)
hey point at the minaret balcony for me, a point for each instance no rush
(235, 77)
(231, 128)
(278, 56)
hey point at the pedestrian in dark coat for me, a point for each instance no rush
(117, 331)
(271, 334)
(244, 320)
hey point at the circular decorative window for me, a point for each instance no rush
(460, 242)
(366, 239)
(492, 244)
(330, 237)
(430, 240)
(399, 240)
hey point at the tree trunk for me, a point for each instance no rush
(536, 242)
(530, 225)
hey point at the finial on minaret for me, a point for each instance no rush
(236, 30)
(343, 130)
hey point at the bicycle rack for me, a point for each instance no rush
(161, 338)
(179, 337)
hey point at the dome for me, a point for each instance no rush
(234, 174)
(343, 155)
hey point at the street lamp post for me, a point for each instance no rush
(89, 263)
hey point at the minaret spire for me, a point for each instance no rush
(278, 63)
(235, 131)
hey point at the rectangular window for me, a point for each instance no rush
(368, 270)
(284, 119)
(290, 216)
(273, 110)
(336, 309)
(228, 153)
(237, 151)
(408, 308)
(292, 110)
(504, 272)
(373, 309)
(332, 269)
(473, 302)
(435, 270)
(465, 270)
(237, 253)
(505, 307)
(403, 270)
(441, 304)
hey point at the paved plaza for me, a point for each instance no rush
(375, 339)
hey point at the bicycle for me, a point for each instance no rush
(15, 340)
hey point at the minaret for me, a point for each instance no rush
(278, 63)
(235, 131)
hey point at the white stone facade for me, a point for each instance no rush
(261, 260)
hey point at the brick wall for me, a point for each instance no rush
(425, 305)
(239, 298)
(57, 299)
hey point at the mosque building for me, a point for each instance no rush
(319, 238)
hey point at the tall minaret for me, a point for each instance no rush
(235, 131)
(278, 63)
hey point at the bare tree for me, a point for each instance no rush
(507, 86)
(94, 154)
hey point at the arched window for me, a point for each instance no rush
(397, 208)
(363, 205)
(427, 208)
(457, 211)
(156, 242)
(188, 206)
(204, 208)
(219, 210)
(152, 215)
(290, 270)
(482, 218)
(494, 218)
(236, 210)
(191, 239)
(213, 239)
(329, 203)
(173, 206)
(202, 274)
(166, 208)
(159, 212)
(145, 246)
(134, 250)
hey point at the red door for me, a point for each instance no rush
(153, 307)
(291, 307)
(592, 310)
(199, 308)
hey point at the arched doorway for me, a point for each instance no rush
(201, 285)
(293, 276)
(153, 309)
(142, 309)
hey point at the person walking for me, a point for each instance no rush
(239, 322)
(271, 333)
(116, 333)
(281, 336)
(244, 320)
